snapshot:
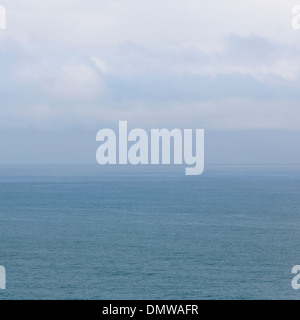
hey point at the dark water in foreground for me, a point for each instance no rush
(79, 233)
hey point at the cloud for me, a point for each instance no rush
(252, 55)
(78, 64)
(148, 22)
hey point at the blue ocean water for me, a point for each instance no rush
(79, 232)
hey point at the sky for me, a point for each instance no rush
(69, 68)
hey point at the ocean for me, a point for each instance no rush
(86, 232)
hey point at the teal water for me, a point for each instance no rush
(82, 233)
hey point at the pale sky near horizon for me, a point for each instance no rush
(69, 68)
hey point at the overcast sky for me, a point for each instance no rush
(69, 68)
